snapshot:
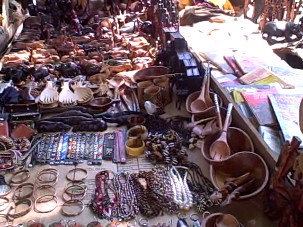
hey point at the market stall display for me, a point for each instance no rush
(92, 97)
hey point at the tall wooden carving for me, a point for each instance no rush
(285, 195)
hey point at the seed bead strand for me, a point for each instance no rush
(102, 204)
(127, 205)
(188, 194)
(177, 186)
(162, 191)
(147, 207)
(201, 188)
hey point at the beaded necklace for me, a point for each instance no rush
(161, 189)
(102, 204)
(201, 188)
(183, 196)
(147, 206)
(127, 204)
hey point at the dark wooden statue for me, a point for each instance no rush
(285, 198)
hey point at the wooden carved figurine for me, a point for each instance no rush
(285, 199)
(301, 116)
(279, 10)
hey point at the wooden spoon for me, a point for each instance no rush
(220, 149)
(199, 104)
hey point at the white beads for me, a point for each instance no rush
(182, 195)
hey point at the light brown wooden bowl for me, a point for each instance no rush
(237, 165)
(193, 96)
(150, 73)
(210, 220)
(237, 139)
(101, 103)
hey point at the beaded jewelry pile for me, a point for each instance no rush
(150, 193)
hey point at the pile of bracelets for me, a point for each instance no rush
(117, 196)
(22, 203)
(74, 193)
(45, 196)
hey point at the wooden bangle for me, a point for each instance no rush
(21, 213)
(46, 199)
(45, 187)
(75, 190)
(67, 197)
(72, 203)
(74, 173)
(80, 183)
(20, 173)
(4, 203)
(20, 189)
(50, 172)
(35, 224)
(4, 216)
(73, 223)
(134, 147)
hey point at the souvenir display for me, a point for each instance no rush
(88, 93)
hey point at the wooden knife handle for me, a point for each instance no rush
(229, 60)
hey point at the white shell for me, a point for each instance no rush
(66, 96)
(49, 95)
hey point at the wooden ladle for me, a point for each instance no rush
(220, 149)
(200, 104)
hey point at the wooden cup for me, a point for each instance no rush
(141, 86)
(164, 84)
(153, 94)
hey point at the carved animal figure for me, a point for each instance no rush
(281, 29)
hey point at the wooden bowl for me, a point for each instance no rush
(237, 165)
(210, 220)
(101, 103)
(193, 96)
(137, 132)
(135, 120)
(237, 139)
(150, 73)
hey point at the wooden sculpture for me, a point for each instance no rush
(301, 116)
(285, 195)
(279, 10)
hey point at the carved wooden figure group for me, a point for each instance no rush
(285, 199)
